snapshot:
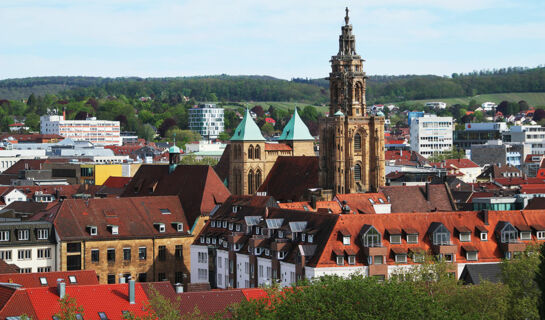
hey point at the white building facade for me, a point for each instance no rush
(207, 120)
(533, 135)
(103, 132)
(431, 135)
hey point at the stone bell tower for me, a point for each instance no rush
(351, 143)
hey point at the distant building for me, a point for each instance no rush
(431, 134)
(534, 135)
(207, 120)
(16, 127)
(102, 132)
(478, 133)
(489, 106)
(497, 152)
(205, 149)
(414, 114)
(436, 105)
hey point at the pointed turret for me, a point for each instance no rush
(296, 129)
(247, 130)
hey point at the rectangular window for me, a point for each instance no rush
(246, 267)
(179, 252)
(379, 259)
(161, 276)
(43, 234)
(111, 278)
(44, 269)
(540, 235)
(260, 271)
(219, 262)
(4, 235)
(95, 254)
(401, 258)
(471, 256)
(73, 247)
(525, 235)
(484, 236)
(395, 239)
(142, 277)
(162, 254)
(449, 257)
(44, 253)
(465, 237)
(412, 238)
(5, 255)
(202, 257)
(24, 254)
(110, 254)
(346, 240)
(25, 270)
(142, 254)
(340, 260)
(127, 254)
(203, 274)
(23, 234)
(351, 259)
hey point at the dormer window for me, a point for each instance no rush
(464, 234)
(213, 240)
(303, 237)
(351, 259)
(230, 226)
(202, 239)
(371, 237)
(213, 223)
(225, 244)
(92, 230)
(508, 233)
(540, 235)
(267, 252)
(340, 260)
(237, 247)
(395, 236)
(224, 224)
(346, 240)
(401, 258)
(235, 209)
(440, 234)
(280, 234)
(114, 229)
(23, 234)
(207, 240)
(258, 251)
(179, 227)
(412, 238)
(160, 227)
(281, 255)
(310, 238)
(484, 236)
(237, 227)
(471, 252)
(257, 230)
(525, 235)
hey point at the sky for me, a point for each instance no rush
(280, 38)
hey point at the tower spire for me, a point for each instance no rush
(346, 18)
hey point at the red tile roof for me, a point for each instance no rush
(360, 202)
(112, 299)
(199, 193)
(291, 177)
(117, 182)
(7, 268)
(489, 251)
(32, 280)
(519, 181)
(277, 147)
(333, 206)
(135, 217)
(455, 163)
(417, 199)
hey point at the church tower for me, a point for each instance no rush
(351, 142)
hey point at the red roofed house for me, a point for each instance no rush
(146, 238)
(465, 169)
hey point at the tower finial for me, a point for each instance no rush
(346, 18)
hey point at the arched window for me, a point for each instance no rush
(357, 142)
(357, 172)
(257, 179)
(251, 182)
(257, 152)
(359, 92)
(250, 152)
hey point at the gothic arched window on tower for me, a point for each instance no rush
(359, 92)
(257, 152)
(250, 152)
(357, 142)
(251, 182)
(357, 172)
(257, 179)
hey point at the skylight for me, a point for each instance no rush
(298, 226)
(165, 211)
(43, 281)
(274, 223)
(72, 279)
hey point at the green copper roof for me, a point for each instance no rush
(296, 129)
(339, 113)
(247, 130)
(174, 149)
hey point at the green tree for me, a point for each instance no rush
(224, 136)
(191, 159)
(182, 136)
(69, 308)
(267, 129)
(519, 274)
(158, 307)
(33, 122)
(540, 280)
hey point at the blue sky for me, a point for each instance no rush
(281, 38)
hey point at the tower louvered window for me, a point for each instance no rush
(357, 142)
(357, 172)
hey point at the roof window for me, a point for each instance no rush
(43, 281)
(165, 211)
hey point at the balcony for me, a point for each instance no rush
(375, 251)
